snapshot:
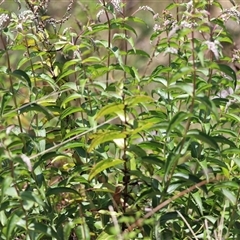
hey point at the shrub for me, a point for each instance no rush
(102, 139)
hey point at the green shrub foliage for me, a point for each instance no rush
(119, 125)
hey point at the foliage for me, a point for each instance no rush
(102, 147)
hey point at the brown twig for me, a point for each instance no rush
(140, 221)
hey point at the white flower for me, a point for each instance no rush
(147, 8)
(117, 5)
(156, 27)
(3, 19)
(214, 47)
(171, 50)
(26, 15)
(99, 14)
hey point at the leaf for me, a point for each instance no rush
(123, 36)
(70, 110)
(70, 98)
(153, 160)
(135, 100)
(35, 107)
(69, 63)
(31, 196)
(47, 156)
(230, 196)
(112, 108)
(4, 101)
(228, 71)
(23, 76)
(59, 190)
(223, 140)
(176, 120)
(138, 52)
(46, 230)
(103, 165)
(103, 137)
(116, 24)
(11, 224)
(203, 137)
(198, 201)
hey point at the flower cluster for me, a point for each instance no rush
(117, 5)
(236, 55)
(232, 12)
(3, 20)
(26, 15)
(147, 8)
(213, 47)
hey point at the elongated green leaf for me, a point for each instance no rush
(209, 105)
(185, 87)
(103, 137)
(198, 201)
(4, 101)
(153, 160)
(47, 156)
(223, 140)
(69, 64)
(231, 151)
(229, 195)
(12, 223)
(115, 24)
(71, 98)
(36, 107)
(135, 100)
(228, 71)
(232, 116)
(66, 73)
(31, 196)
(112, 108)
(146, 126)
(123, 36)
(103, 165)
(70, 110)
(46, 230)
(22, 75)
(138, 52)
(176, 120)
(59, 190)
(67, 230)
(203, 137)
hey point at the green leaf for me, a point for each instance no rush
(35, 107)
(103, 137)
(83, 232)
(31, 196)
(103, 165)
(230, 196)
(23, 76)
(59, 190)
(138, 52)
(11, 224)
(46, 230)
(123, 36)
(203, 137)
(47, 156)
(198, 201)
(4, 101)
(70, 110)
(112, 108)
(71, 98)
(228, 71)
(69, 63)
(176, 120)
(135, 100)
